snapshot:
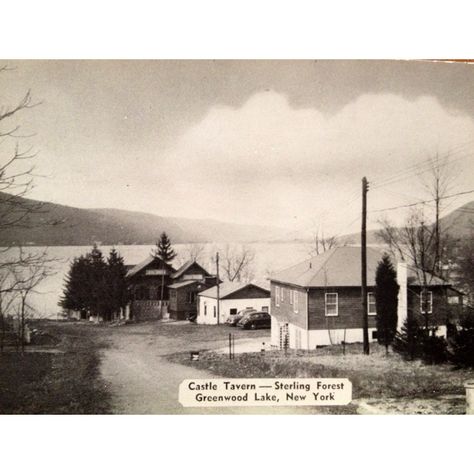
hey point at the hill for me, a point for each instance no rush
(458, 223)
(55, 224)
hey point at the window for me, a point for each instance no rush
(331, 304)
(426, 302)
(291, 297)
(264, 309)
(282, 294)
(215, 311)
(295, 301)
(453, 300)
(191, 297)
(372, 309)
(205, 308)
(233, 311)
(277, 295)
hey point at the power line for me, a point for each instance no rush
(409, 172)
(423, 166)
(422, 202)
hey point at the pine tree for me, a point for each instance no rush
(408, 340)
(95, 285)
(165, 252)
(116, 286)
(386, 301)
(76, 290)
(97, 281)
(414, 342)
(462, 342)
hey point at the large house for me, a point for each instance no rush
(157, 290)
(189, 280)
(233, 297)
(318, 301)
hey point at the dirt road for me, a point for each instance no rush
(142, 381)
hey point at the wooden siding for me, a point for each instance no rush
(440, 306)
(349, 309)
(179, 306)
(285, 312)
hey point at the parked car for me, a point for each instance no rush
(256, 320)
(233, 319)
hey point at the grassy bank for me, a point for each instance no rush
(378, 376)
(60, 379)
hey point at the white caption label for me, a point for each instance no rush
(264, 392)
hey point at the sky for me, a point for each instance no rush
(281, 143)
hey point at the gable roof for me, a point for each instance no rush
(190, 263)
(227, 289)
(142, 265)
(340, 266)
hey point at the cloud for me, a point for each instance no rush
(269, 162)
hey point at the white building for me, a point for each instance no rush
(233, 297)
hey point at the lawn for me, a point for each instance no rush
(383, 381)
(59, 379)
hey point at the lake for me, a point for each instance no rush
(269, 258)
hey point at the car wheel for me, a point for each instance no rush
(253, 326)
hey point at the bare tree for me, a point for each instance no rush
(465, 262)
(194, 252)
(237, 263)
(425, 243)
(16, 181)
(26, 283)
(321, 244)
(415, 243)
(16, 166)
(6, 302)
(439, 183)
(20, 271)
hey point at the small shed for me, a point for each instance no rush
(233, 297)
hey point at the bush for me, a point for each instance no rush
(407, 341)
(434, 349)
(414, 342)
(462, 341)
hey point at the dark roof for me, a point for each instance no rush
(149, 260)
(340, 266)
(185, 267)
(229, 288)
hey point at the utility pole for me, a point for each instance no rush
(218, 287)
(363, 240)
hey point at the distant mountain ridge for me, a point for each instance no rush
(458, 223)
(56, 224)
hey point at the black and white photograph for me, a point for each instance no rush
(236, 237)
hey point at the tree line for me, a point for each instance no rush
(96, 286)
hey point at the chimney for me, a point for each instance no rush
(402, 280)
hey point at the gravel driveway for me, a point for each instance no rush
(142, 381)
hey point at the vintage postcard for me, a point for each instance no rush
(236, 237)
